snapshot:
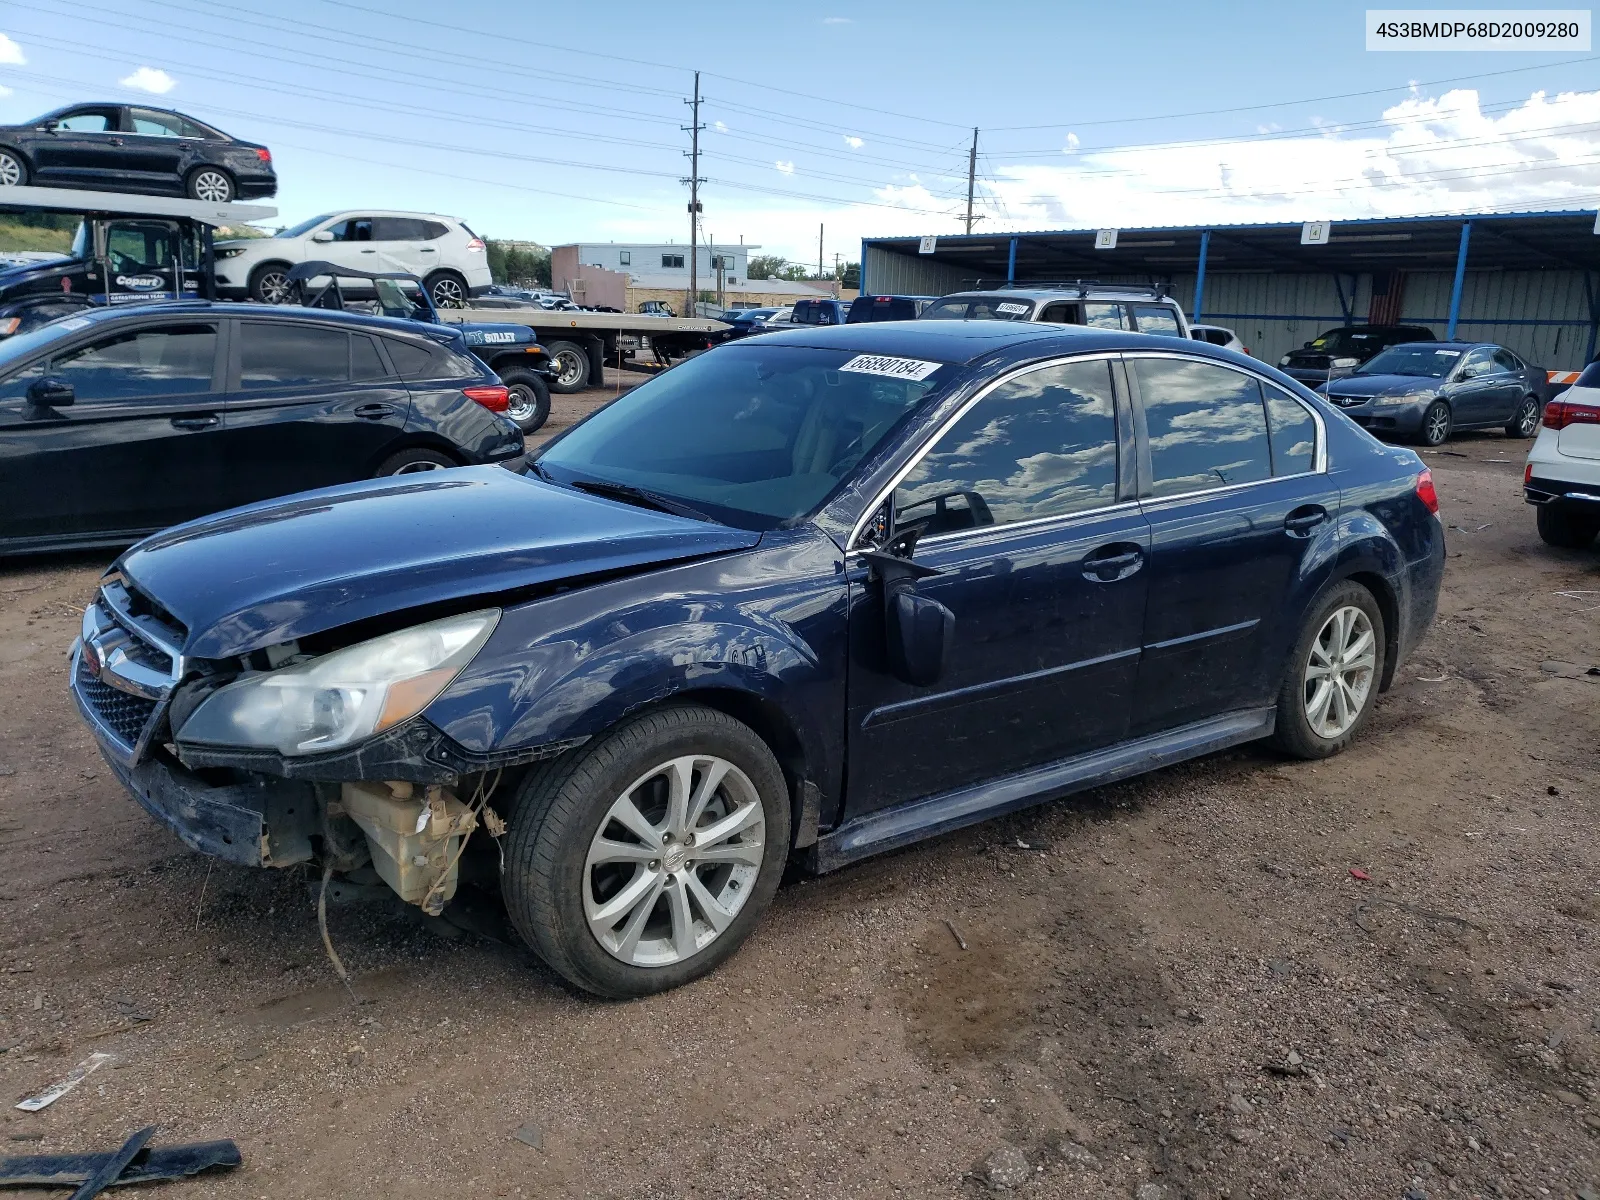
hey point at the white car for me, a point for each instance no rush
(1562, 478)
(1218, 335)
(448, 257)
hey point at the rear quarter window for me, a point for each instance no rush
(415, 361)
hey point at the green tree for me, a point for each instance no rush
(848, 275)
(765, 266)
(519, 265)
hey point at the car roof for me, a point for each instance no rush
(386, 212)
(1107, 292)
(250, 310)
(949, 341)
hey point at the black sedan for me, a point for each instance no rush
(123, 421)
(1427, 390)
(130, 148)
(1337, 352)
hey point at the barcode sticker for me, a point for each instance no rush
(896, 368)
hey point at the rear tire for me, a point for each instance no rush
(678, 917)
(211, 184)
(13, 171)
(413, 461)
(1437, 423)
(447, 289)
(269, 284)
(1331, 685)
(570, 363)
(1563, 528)
(530, 398)
(1524, 422)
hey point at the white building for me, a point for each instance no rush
(652, 265)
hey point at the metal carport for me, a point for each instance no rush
(1530, 281)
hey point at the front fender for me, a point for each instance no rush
(767, 623)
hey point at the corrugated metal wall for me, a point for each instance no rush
(1542, 315)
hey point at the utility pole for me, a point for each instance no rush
(819, 250)
(694, 181)
(972, 172)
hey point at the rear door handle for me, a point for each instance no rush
(429, 250)
(369, 252)
(205, 422)
(374, 412)
(1112, 562)
(1304, 519)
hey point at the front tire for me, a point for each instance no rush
(13, 171)
(447, 289)
(1565, 529)
(211, 184)
(529, 404)
(1524, 422)
(1332, 682)
(414, 461)
(570, 363)
(1436, 424)
(643, 860)
(269, 284)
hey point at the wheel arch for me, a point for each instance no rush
(1389, 609)
(27, 159)
(416, 440)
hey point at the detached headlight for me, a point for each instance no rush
(1345, 362)
(230, 252)
(345, 696)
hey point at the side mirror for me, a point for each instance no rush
(50, 393)
(322, 235)
(918, 631)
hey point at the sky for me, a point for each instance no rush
(565, 122)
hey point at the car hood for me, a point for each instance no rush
(287, 568)
(1382, 385)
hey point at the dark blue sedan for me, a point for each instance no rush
(1428, 390)
(811, 596)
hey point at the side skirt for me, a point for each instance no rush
(900, 826)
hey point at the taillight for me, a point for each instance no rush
(475, 244)
(1558, 414)
(1527, 475)
(263, 154)
(493, 396)
(1425, 492)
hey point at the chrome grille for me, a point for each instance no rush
(1349, 401)
(122, 713)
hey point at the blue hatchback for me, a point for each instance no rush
(815, 595)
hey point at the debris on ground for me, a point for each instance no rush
(57, 1090)
(144, 1166)
(1006, 1168)
(530, 1135)
(960, 941)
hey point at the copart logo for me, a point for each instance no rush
(141, 282)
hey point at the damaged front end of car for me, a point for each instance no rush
(297, 752)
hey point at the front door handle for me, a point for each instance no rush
(375, 412)
(369, 252)
(203, 422)
(1109, 563)
(1304, 519)
(116, 141)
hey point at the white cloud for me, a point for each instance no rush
(150, 79)
(4, 91)
(719, 127)
(784, 168)
(838, 21)
(11, 53)
(854, 143)
(1072, 144)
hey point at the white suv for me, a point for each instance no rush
(1101, 305)
(1563, 473)
(449, 258)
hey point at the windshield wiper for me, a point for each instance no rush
(638, 495)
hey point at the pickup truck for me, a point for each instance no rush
(512, 352)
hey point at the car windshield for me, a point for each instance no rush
(1348, 341)
(1420, 359)
(304, 227)
(978, 308)
(753, 435)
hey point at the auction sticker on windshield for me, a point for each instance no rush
(1011, 309)
(895, 368)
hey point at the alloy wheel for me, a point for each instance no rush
(1339, 671)
(413, 467)
(274, 287)
(1437, 428)
(1528, 418)
(213, 187)
(674, 860)
(447, 293)
(10, 171)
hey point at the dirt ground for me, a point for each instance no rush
(1175, 987)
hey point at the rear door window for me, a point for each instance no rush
(167, 360)
(1504, 360)
(157, 124)
(1040, 445)
(399, 229)
(1155, 318)
(1103, 316)
(364, 360)
(273, 355)
(1207, 427)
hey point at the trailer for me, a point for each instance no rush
(583, 343)
(129, 249)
